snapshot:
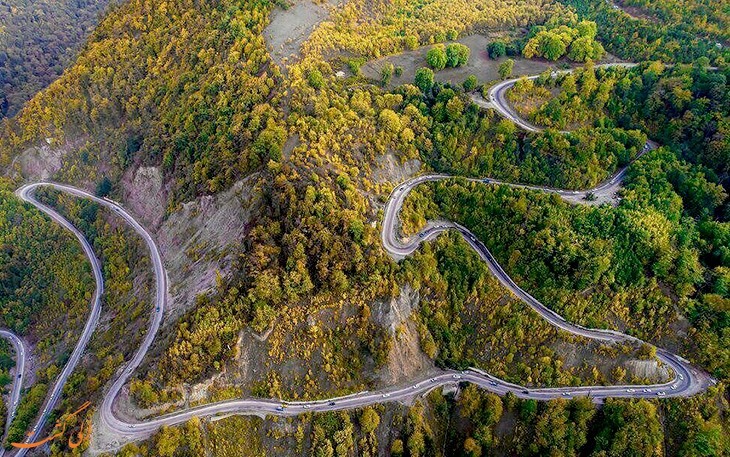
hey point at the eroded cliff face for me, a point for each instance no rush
(406, 359)
(197, 239)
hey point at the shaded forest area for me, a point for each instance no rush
(639, 40)
(38, 40)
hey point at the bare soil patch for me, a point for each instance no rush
(635, 12)
(291, 26)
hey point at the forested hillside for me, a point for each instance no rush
(182, 85)
(45, 290)
(308, 304)
(638, 39)
(705, 17)
(38, 40)
(684, 107)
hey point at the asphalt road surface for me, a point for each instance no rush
(687, 379)
(17, 373)
(497, 97)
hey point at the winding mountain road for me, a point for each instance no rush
(498, 97)
(687, 379)
(18, 374)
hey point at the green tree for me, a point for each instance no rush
(505, 68)
(104, 187)
(552, 46)
(496, 49)
(411, 42)
(369, 420)
(472, 448)
(436, 57)
(424, 79)
(397, 449)
(587, 29)
(386, 73)
(315, 79)
(457, 55)
(585, 48)
(470, 83)
(390, 120)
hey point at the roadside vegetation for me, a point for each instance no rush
(190, 88)
(667, 41)
(6, 364)
(683, 107)
(126, 305)
(477, 423)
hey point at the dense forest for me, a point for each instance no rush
(38, 40)
(704, 17)
(601, 265)
(6, 364)
(684, 107)
(45, 291)
(638, 40)
(131, 90)
(467, 141)
(125, 307)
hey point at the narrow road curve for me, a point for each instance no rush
(18, 374)
(688, 380)
(26, 193)
(497, 96)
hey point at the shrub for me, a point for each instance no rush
(436, 57)
(424, 79)
(470, 83)
(457, 55)
(496, 49)
(315, 79)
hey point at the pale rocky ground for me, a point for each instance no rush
(290, 27)
(199, 239)
(45, 159)
(576, 355)
(406, 359)
(388, 169)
